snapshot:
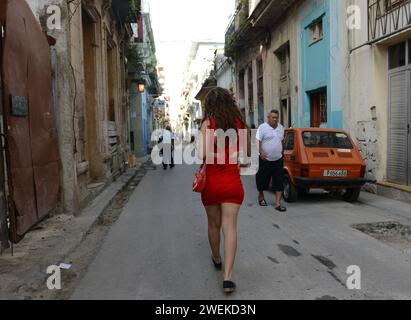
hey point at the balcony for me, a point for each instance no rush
(126, 11)
(387, 17)
(244, 30)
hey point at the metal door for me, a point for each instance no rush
(399, 85)
(32, 153)
(409, 127)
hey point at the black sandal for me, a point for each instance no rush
(263, 203)
(281, 209)
(218, 266)
(229, 286)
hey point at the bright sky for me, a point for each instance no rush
(176, 23)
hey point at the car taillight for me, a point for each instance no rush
(305, 171)
(362, 173)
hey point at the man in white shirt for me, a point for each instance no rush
(168, 148)
(270, 137)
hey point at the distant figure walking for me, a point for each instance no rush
(270, 136)
(168, 148)
(224, 193)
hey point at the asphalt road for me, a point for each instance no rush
(158, 249)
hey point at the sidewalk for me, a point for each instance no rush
(52, 240)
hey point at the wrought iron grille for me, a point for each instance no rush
(387, 17)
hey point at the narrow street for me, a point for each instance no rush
(95, 94)
(158, 249)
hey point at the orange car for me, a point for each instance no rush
(324, 159)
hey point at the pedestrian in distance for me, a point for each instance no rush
(223, 194)
(167, 141)
(270, 136)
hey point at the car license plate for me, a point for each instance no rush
(335, 173)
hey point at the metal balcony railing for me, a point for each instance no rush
(387, 17)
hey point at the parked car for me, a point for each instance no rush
(322, 159)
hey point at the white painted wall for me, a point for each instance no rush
(368, 88)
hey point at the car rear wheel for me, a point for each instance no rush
(290, 191)
(352, 195)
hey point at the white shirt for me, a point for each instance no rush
(271, 141)
(167, 136)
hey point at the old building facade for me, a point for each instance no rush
(337, 64)
(380, 110)
(199, 66)
(91, 93)
(144, 88)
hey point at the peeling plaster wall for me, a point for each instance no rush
(65, 96)
(366, 116)
(71, 97)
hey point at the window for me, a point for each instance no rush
(132, 140)
(241, 84)
(250, 89)
(284, 113)
(397, 56)
(260, 85)
(316, 31)
(323, 107)
(283, 55)
(409, 51)
(283, 64)
(318, 139)
(289, 142)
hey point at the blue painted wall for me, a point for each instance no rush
(321, 63)
(139, 120)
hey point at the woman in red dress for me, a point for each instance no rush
(224, 193)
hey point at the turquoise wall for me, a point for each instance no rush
(321, 61)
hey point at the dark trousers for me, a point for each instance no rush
(168, 157)
(270, 171)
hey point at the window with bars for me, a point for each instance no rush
(318, 108)
(323, 107)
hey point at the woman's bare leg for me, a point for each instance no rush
(214, 230)
(229, 224)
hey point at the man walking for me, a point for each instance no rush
(168, 148)
(270, 137)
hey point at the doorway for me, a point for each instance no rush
(399, 120)
(90, 83)
(318, 108)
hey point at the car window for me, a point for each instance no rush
(319, 139)
(289, 142)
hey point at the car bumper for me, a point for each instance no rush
(320, 182)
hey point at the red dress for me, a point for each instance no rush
(223, 182)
